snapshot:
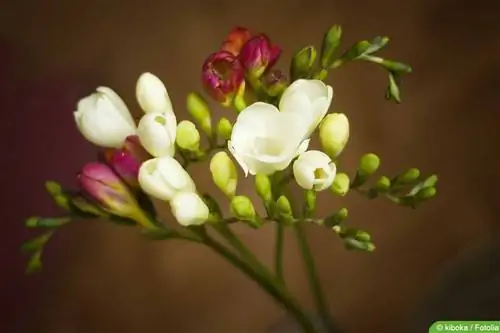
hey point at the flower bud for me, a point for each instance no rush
(314, 170)
(354, 244)
(310, 203)
(284, 207)
(408, 177)
(243, 209)
(365, 47)
(157, 132)
(383, 184)
(198, 109)
(224, 128)
(264, 187)
(258, 54)
(189, 209)
(334, 133)
(369, 164)
(224, 173)
(331, 41)
(126, 161)
(336, 218)
(235, 40)
(103, 185)
(164, 177)
(341, 184)
(222, 75)
(426, 193)
(187, 137)
(152, 94)
(302, 62)
(275, 82)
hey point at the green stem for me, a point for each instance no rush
(278, 259)
(273, 289)
(312, 275)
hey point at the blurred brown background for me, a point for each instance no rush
(101, 278)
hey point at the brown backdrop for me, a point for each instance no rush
(100, 278)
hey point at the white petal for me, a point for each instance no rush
(152, 94)
(118, 102)
(156, 132)
(189, 209)
(150, 182)
(304, 174)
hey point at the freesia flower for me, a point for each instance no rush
(308, 98)
(157, 133)
(127, 160)
(258, 55)
(189, 209)
(265, 140)
(100, 182)
(152, 94)
(104, 119)
(222, 75)
(314, 170)
(235, 40)
(164, 177)
(334, 133)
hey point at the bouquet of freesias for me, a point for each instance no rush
(270, 120)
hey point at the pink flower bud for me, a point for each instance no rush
(103, 185)
(235, 40)
(127, 160)
(222, 75)
(258, 55)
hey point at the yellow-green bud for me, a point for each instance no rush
(331, 41)
(224, 128)
(284, 206)
(341, 184)
(224, 173)
(263, 187)
(334, 133)
(336, 218)
(383, 184)
(242, 208)
(239, 100)
(369, 164)
(302, 62)
(409, 176)
(199, 110)
(187, 137)
(426, 193)
(354, 244)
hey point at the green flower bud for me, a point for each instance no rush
(331, 41)
(334, 133)
(354, 244)
(224, 128)
(199, 110)
(187, 137)
(46, 222)
(396, 67)
(310, 202)
(383, 184)
(426, 193)
(369, 164)
(302, 63)
(264, 188)
(430, 181)
(341, 184)
(336, 218)
(224, 173)
(365, 47)
(242, 208)
(284, 206)
(408, 177)
(393, 92)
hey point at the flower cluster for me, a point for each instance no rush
(275, 119)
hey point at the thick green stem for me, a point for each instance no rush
(273, 289)
(278, 254)
(313, 278)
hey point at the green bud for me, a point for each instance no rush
(369, 164)
(331, 41)
(187, 137)
(354, 244)
(430, 181)
(224, 173)
(341, 184)
(365, 47)
(302, 63)
(198, 109)
(50, 222)
(336, 218)
(395, 67)
(284, 206)
(426, 193)
(362, 236)
(264, 187)
(224, 128)
(242, 208)
(310, 202)
(393, 91)
(334, 133)
(383, 184)
(408, 177)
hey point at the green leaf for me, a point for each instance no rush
(36, 243)
(365, 47)
(331, 41)
(34, 263)
(393, 91)
(46, 222)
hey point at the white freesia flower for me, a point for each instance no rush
(189, 209)
(314, 170)
(164, 177)
(104, 119)
(265, 140)
(157, 132)
(309, 99)
(152, 94)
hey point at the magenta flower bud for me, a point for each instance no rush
(127, 160)
(100, 182)
(235, 40)
(258, 55)
(222, 75)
